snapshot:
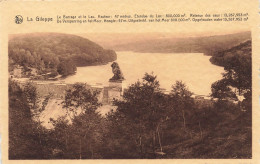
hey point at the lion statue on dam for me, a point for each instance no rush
(118, 75)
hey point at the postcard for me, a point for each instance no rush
(129, 81)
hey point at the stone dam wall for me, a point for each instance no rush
(58, 90)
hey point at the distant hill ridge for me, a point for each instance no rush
(167, 43)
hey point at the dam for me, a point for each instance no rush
(57, 90)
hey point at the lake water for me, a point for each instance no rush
(194, 69)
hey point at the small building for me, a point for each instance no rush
(34, 71)
(17, 72)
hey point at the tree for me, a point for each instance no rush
(86, 136)
(238, 73)
(80, 99)
(24, 139)
(181, 101)
(222, 90)
(82, 102)
(31, 94)
(66, 67)
(60, 137)
(139, 117)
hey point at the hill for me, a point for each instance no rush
(169, 43)
(56, 51)
(224, 58)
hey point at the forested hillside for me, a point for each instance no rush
(56, 51)
(237, 63)
(227, 57)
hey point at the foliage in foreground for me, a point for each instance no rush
(146, 124)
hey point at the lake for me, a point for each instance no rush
(194, 69)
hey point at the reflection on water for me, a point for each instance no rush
(194, 69)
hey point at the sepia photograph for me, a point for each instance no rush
(146, 95)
